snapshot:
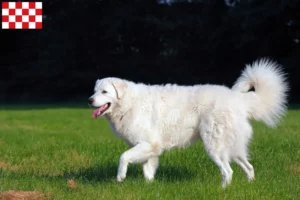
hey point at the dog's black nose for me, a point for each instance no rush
(91, 101)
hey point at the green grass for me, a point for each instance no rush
(41, 147)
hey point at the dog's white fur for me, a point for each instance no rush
(154, 118)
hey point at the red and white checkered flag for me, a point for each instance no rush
(22, 15)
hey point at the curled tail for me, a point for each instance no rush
(268, 102)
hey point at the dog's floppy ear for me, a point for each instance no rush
(120, 87)
(97, 84)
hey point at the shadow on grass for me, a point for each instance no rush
(108, 172)
(173, 173)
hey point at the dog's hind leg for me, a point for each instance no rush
(150, 167)
(140, 153)
(246, 166)
(226, 160)
(224, 167)
(213, 137)
(239, 151)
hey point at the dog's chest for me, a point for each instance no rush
(131, 130)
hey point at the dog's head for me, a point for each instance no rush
(108, 92)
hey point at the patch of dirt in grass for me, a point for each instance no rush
(75, 159)
(72, 184)
(6, 126)
(23, 195)
(20, 125)
(295, 169)
(27, 127)
(76, 156)
(6, 166)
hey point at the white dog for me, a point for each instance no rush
(151, 119)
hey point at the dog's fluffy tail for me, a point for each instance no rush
(268, 102)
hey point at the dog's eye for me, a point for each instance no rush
(104, 92)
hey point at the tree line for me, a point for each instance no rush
(185, 43)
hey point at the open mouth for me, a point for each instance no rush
(100, 110)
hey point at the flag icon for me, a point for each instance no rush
(22, 15)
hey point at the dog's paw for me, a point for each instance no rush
(251, 179)
(149, 179)
(120, 178)
(224, 184)
(251, 176)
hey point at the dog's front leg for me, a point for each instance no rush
(150, 167)
(140, 153)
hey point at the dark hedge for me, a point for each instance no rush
(186, 43)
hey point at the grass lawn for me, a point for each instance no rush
(44, 147)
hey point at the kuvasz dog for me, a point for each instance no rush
(155, 118)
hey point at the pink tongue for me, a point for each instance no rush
(97, 111)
